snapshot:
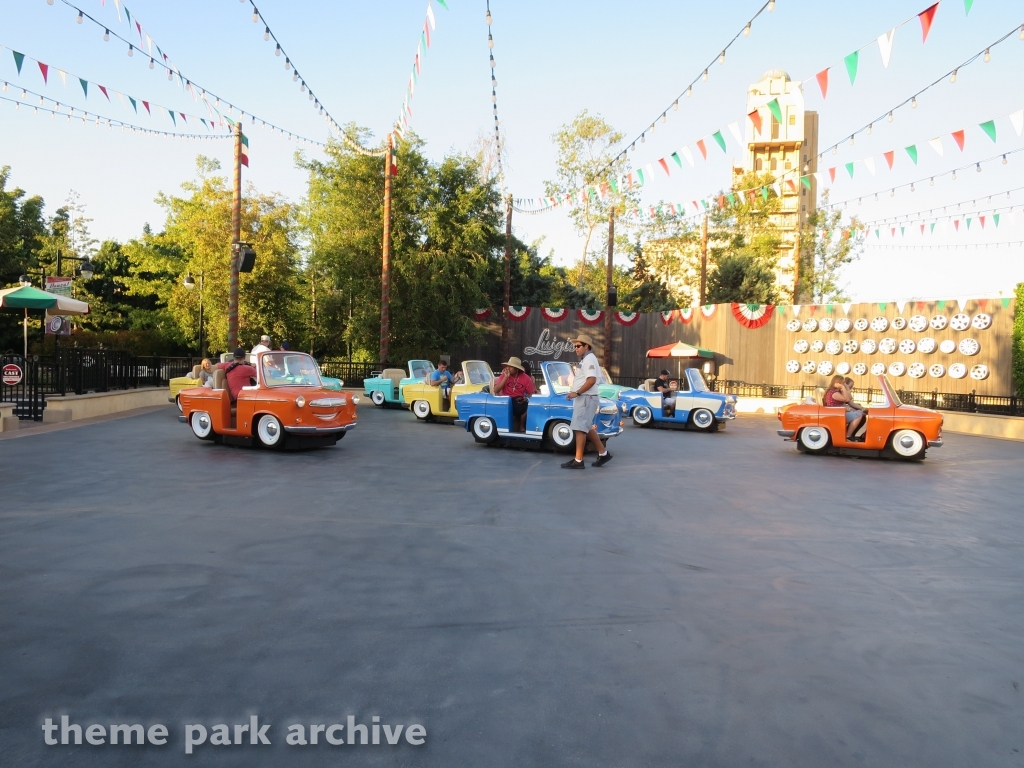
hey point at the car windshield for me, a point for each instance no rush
(697, 380)
(887, 386)
(560, 376)
(477, 372)
(290, 369)
(421, 368)
(607, 376)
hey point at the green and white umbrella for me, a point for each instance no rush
(26, 297)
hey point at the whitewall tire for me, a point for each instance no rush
(561, 435)
(908, 444)
(642, 415)
(702, 420)
(269, 432)
(202, 425)
(814, 439)
(484, 430)
(377, 397)
(421, 409)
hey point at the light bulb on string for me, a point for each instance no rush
(771, 5)
(890, 117)
(287, 64)
(131, 50)
(494, 97)
(152, 64)
(490, 40)
(704, 76)
(932, 182)
(106, 35)
(80, 18)
(675, 105)
(870, 127)
(913, 103)
(1004, 160)
(643, 138)
(664, 118)
(893, 192)
(689, 91)
(487, 18)
(851, 141)
(492, 61)
(746, 30)
(988, 56)
(952, 77)
(255, 15)
(266, 34)
(721, 58)
(978, 167)
(295, 77)
(277, 51)
(912, 187)
(954, 175)
(303, 88)
(1022, 31)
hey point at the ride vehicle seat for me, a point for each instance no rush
(195, 371)
(648, 385)
(395, 374)
(819, 396)
(219, 379)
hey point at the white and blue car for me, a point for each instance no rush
(489, 417)
(696, 407)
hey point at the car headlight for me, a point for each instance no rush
(609, 409)
(329, 402)
(355, 399)
(300, 401)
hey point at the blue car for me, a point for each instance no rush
(489, 417)
(697, 407)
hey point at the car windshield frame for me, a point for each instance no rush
(890, 392)
(469, 367)
(427, 366)
(549, 376)
(289, 361)
(696, 379)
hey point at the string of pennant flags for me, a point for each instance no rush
(955, 247)
(109, 122)
(289, 65)
(402, 125)
(916, 215)
(984, 55)
(494, 99)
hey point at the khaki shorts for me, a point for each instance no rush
(584, 409)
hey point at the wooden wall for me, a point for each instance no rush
(760, 355)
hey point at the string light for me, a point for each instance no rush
(988, 56)
(266, 33)
(255, 15)
(131, 50)
(890, 117)
(721, 58)
(913, 103)
(277, 51)
(704, 76)
(771, 5)
(152, 64)
(80, 18)
(746, 30)
(952, 77)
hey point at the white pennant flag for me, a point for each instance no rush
(796, 310)
(1017, 118)
(818, 177)
(116, 5)
(846, 308)
(63, 77)
(870, 163)
(734, 128)
(885, 46)
(688, 155)
(430, 17)
(962, 302)
(777, 186)
(901, 305)
(650, 170)
(936, 144)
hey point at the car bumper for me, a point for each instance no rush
(319, 430)
(460, 422)
(183, 419)
(935, 443)
(786, 433)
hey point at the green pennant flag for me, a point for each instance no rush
(828, 309)
(614, 184)
(941, 304)
(968, 222)
(732, 198)
(967, 6)
(989, 128)
(704, 202)
(134, 105)
(19, 59)
(172, 118)
(882, 305)
(806, 181)
(912, 151)
(764, 193)
(717, 136)
(640, 174)
(128, 14)
(851, 65)
(775, 109)
(443, 4)
(878, 235)
(1006, 302)
(995, 218)
(903, 231)
(85, 87)
(932, 231)
(679, 162)
(423, 40)
(849, 169)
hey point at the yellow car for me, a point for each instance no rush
(183, 382)
(427, 402)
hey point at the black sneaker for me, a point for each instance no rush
(601, 460)
(573, 464)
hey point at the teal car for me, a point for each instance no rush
(607, 388)
(389, 387)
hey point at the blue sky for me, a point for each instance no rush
(624, 61)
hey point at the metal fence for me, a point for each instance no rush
(351, 373)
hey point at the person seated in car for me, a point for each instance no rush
(668, 393)
(837, 396)
(442, 378)
(238, 373)
(206, 373)
(273, 370)
(516, 383)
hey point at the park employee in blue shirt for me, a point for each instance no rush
(585, 401)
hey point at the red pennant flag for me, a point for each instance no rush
(146, 105)
(889, 157)
(921, 304)
(695, 206)
(822, 78)
(755, 118)
(814, 308)
(922, 229)
(982, 220)
(138, 27)
(721, 201)
(183, 118)
(426, 32)
(927, 16)
(664, 166)
(832, 174)
(103, 90)
(703, 149)
(792, 185)
(958, 137)
(892, 232)
(604, 189)
(956, 224)
(45, 69)
(982, 303)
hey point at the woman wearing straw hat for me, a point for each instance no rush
(585, 402)
(514, 382)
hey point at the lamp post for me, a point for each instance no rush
(87, 270)
(190, 284)
(24, 280)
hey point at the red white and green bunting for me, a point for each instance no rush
(590, 316)
(627, 318)
(554, 315)
(244, 159)
(708, 311)
(481, 314)
(518, 312)
(667, 316)
(686, 314)
(753, 315)
(402, 125)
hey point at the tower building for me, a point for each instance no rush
(789, 150)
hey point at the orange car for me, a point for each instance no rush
(286, 404)
(893, 429)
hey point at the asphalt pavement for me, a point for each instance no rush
(703, 600)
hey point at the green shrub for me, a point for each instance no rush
(1018, 342)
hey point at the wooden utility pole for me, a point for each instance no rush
(385, 275)
(236, 238)
(508, 277)
(611, 300)
(704, 261)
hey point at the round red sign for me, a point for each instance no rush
(11, 374)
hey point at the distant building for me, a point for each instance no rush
(789, 146)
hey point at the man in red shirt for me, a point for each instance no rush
(515, 383)
(238, 374)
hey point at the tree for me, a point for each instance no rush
(649, 292)
(22, 231)
(587, 159)
(743, 246)
(827, 248)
